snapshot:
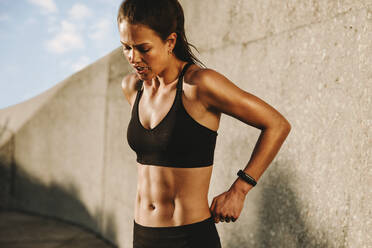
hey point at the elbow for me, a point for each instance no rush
(280, 126)
(285, 127)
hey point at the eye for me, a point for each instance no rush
(145, 50)
(126, 48)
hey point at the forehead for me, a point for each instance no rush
(133, 34)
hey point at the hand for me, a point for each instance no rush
(227, 206)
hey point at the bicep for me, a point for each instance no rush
(219, 93)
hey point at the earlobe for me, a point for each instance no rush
(172, 39)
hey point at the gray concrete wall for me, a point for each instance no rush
(64, 153)
(312, 61)
(54, 152)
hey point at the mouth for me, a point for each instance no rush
(141, 69)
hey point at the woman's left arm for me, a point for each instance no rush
(220, 94)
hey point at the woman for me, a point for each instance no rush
(176, 109)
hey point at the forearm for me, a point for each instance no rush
(266, 148)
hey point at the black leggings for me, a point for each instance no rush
(201, 234)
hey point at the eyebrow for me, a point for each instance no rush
(136, 45)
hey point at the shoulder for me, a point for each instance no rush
(206, 78)
(213, 88)
(199, 77)
(130, 84)
(217, 92)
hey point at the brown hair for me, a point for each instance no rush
(162, 16)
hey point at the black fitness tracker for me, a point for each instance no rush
(247, 178)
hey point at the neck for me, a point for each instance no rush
(170, 74)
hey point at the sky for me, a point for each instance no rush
(42, 42)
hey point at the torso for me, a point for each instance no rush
(168, 196)
(171, 196)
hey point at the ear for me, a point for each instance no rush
(171, 41)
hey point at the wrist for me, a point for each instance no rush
(241, 186)
(246, 177)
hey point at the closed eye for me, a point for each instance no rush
(141, 50)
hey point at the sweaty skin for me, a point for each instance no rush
(171, 196)
(168, 196)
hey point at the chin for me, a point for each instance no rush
(146, 76)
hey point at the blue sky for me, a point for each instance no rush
(45, 41)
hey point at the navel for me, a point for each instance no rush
(151, 206)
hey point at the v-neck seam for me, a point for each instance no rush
(163, 119)
(176, 97)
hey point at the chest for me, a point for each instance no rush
(175, 138)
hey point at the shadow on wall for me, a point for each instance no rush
(278, 223)
(22, 192)
(281, 223)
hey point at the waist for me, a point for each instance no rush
(195, 227)
(172, 196)
(175, 213)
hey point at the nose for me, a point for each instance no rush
(133, 56)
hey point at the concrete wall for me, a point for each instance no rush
(64, 153)
(57, 160)
(312, 61)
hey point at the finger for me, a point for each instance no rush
(213, 213)
(215, 220)
(227, 219)
(222, 219)
(215, 217)
(233, 219)
(213, 205)
(218, 218)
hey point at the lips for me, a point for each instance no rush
(141, 69)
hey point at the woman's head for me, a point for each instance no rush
(160, 23)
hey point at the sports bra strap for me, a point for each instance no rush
(141, 85)
(180, 78)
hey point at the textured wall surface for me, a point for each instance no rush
(54, 152)
(64, 153)
(311, 60)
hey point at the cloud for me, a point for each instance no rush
(67, 39)
(81, 63)
(100, 30)
(4, 17)
(113, 3)
(31, 21)
(79, 11)
(52, 24)
(47, 6)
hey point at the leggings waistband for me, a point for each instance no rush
(176, 229)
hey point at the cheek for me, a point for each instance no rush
(155, 55)
(155, 59)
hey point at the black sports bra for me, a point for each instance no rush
(177, 141)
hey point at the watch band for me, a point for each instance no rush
(247, 178)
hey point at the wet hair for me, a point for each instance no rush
(162, 16)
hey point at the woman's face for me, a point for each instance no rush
(144, 49)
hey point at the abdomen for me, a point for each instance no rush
(168, 196)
